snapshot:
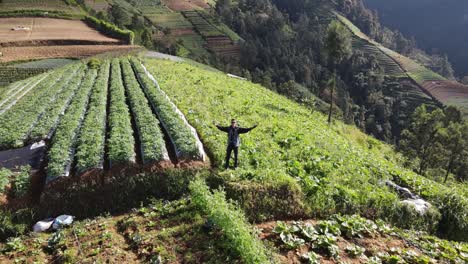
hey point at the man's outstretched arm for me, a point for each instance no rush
(224, 129)
(243, 130)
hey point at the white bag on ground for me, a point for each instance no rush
(61, 221)
(43, 225)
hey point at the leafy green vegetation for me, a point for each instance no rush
(151, 138)
(293, 143)
(121, 141)
(110, 29)
(350, 237)
(10, 74)
(50, 118)
(231, 220)
(179, 131)
(63, 145)
(90, 151)
(22, 182)
(20, 118)
(4, 179)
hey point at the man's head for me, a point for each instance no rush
(233, 123)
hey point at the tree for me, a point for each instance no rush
(455, 139)
(338, 47)
(119, 16)
(421, 139)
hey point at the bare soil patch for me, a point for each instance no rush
(67, 51)
(186, 5)
(19, 29)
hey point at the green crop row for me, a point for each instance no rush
(178, 130)
(151, 138)
(121, 141)
(51, 116)
(12, 74)
(14, 91)
(61, 152)
(240, 237)
(91, 143)
(19, 119)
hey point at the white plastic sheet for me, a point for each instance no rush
(43, 225)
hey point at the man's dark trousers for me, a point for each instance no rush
(229, 150)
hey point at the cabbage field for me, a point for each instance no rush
(80, 109)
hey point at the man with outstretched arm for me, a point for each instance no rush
(233, 143)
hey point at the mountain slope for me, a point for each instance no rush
(436, 25)
(429, 82)
(293, 166)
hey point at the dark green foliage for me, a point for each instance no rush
(338, 43)
(437, 140)
(94, 64)
(111, 30)
(4, 179)
(36, 13)
(420, 139)
(15, 223)
(452, 205)
(119, 16)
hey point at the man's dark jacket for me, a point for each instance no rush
(233, 134)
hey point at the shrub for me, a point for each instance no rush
(4, 179)
(36, 13)
(22, 182)
(110, 29)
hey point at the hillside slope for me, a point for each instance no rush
(397, 65)
(432, 23)
(292, 143)
(293, 166)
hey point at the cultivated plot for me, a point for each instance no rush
(33, 29)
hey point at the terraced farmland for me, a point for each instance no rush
(429, 85)
(185, 5)
(217, 41)
(48, 30)
(388, 65)
(94, 119)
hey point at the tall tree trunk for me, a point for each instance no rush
(331, 96)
